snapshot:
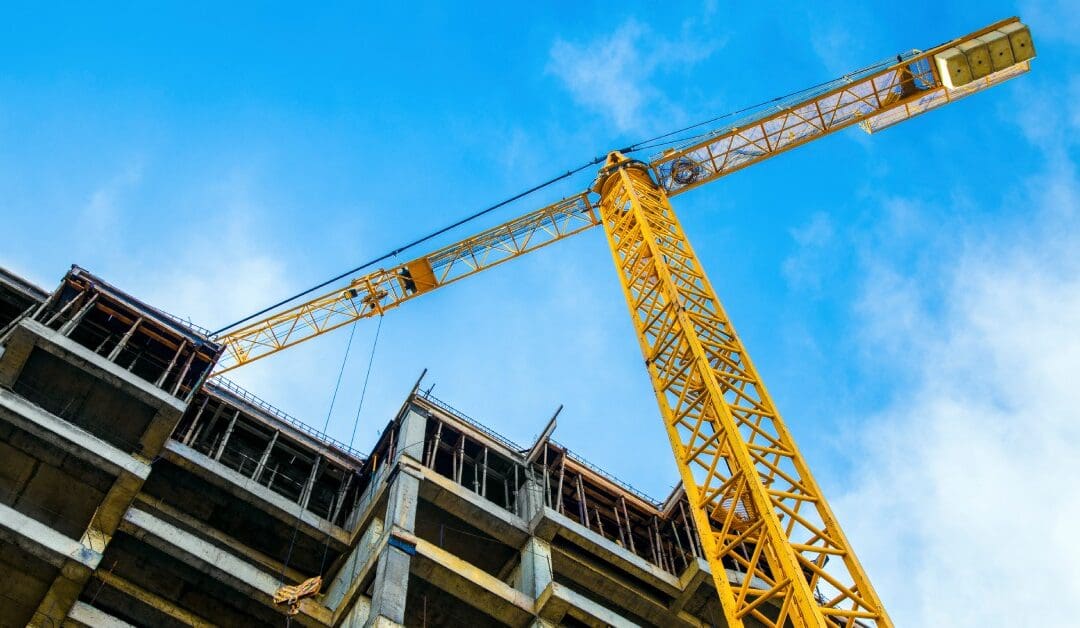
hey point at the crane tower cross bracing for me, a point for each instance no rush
(777, 554)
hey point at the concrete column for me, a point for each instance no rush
(536, 573)
(411, 435)
(369, 540)
(392, 573)
(530, 498)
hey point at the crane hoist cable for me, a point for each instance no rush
(652, 142)
(367, 376)
(416, 242)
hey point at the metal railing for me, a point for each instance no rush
(233, 389)
(458, 414)
(607, 476)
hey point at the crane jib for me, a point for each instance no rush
(776, 552)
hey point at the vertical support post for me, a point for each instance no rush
(435, 446)
(61, 311)
(690, 534)
(340, 500)
(123, 341)
(562, 474)
(629, 527)
(309, 487)
(209, 425)
(47, 303)
(195, 420)
(228, 433)
(460, 459)
(265, 456)
(618, 524)
(176, 356)
(66, 328)
(483, 479)
(583, 506)
(183, 372)
(547, 479)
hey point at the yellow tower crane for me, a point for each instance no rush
(757, 507)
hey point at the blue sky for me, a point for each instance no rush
(911, 298)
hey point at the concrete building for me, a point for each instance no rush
(136, 491)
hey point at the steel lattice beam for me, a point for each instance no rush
(749, 487)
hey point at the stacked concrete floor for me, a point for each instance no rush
(136, 491)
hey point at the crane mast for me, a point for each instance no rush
(756, 506)
(777, 554)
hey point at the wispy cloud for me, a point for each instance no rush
(811, 261)
(100, 219)
(614, 74)
(963, 509)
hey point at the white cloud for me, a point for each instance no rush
(808, 265)
(102, 215)
(1052, 20)
(963, 508)
(613, 74)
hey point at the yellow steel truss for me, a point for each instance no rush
(384, 289)
(877, 100)
(874, 99)
(763, 521)
(777, 554)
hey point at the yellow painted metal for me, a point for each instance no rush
(758, 508)
(776, 551)
(877, 99)
(377, 292)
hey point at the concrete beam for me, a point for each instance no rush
(218, 563)
(558, 601)
(692, 578)
(622, 592)
(28, 334)
(152, 600)
(219, 538)
(75, 561)
(358, 580)
(548, 524)
(252, 492)
(366, 547)
(459, 501)
(69, 438)
(367, 506)
(45, 543)
(84, 615)
(468, 583)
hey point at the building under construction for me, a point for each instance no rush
(141, 487)
(138, 492)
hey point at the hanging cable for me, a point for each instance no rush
(367, 376)
(418, 241)
(641, 145)
(356, 421)
(344, 360)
